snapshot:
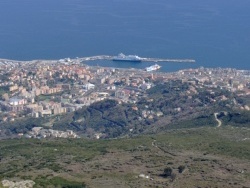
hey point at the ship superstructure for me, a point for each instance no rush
(122, 57)
(153, 68)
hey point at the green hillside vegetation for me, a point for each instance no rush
(201, 157)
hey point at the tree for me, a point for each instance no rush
(168, 172)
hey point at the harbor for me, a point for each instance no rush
(120, 61)
(142, 59)
(134, 61)
(107, 57)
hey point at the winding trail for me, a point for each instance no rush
(216, 118)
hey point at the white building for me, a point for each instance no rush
(17, 101)
(88, 86)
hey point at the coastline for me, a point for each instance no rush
(87, 60)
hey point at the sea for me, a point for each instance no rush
(216, 33)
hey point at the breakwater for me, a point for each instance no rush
(102, 57)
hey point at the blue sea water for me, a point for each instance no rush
(216, 33)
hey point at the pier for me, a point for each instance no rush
(100, 57)
(168, 60)
(94, 58)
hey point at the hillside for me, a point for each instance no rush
(201, 157)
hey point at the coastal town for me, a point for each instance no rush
(45, 88)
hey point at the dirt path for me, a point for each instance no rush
(219, 121)
(153, 144)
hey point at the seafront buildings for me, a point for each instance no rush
(49, 88)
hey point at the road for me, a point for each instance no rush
(216, 118)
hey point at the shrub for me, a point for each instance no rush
(168, 172)
(181, 168)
